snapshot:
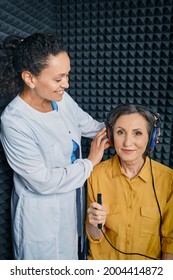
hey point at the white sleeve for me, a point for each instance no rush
(89, 127)
(24, 158)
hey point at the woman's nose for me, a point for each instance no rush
(65, 82)
(127, 140)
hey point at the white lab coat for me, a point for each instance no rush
(38, 147)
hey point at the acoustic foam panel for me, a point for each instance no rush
(121, 52)
(24, 17)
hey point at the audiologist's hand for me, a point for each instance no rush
(98, 145)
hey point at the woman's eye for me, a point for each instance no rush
(120, 132)
(138, 133)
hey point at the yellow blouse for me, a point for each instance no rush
(132, 223)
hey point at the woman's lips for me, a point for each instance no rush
(127, 151)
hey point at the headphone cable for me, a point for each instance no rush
(125, 253)
(158, 205)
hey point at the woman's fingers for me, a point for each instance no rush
(97, 214)
(98, 145)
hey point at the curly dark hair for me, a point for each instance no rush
(30, 53)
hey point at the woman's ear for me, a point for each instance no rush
(109, 136)
(28, 79)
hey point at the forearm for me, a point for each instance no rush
(94, 232)
(167, 256)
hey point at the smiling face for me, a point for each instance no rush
(130, 137)
(54, 79)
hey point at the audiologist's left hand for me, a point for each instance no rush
(98, 146)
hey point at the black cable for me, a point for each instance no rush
(125, 253)
(160, 225)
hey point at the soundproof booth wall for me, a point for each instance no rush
(121, 51)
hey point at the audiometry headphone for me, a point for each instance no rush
(147, 112)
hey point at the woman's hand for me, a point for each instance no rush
(96, 215)
(98, 145)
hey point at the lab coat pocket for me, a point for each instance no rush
(113, 216)
(149, 220)
(42, 250)
(39, 218)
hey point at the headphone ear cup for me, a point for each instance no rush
(154, 137)
(108, 131)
